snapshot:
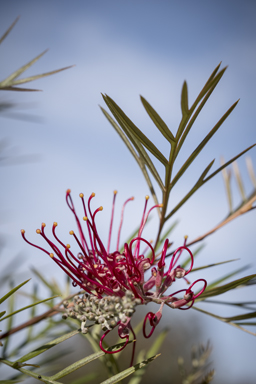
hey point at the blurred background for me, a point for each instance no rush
(59, 138)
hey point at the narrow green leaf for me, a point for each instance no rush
(42, 378)
(129, 371)
(197, 185)
(213, 74)
(137, 377)
(157, 120)
(19, 89)
(220, 280)
(246, 323)
(124, 120)
(184, 99)
(144, 158)
(209, 85)
(2, 313)
(8, 30)
(157, 343)
(28, 306)
(227, 287)
(245, 316)
(78, 364)
(224, 319)
(212, 265)
(9, 80)
(11, 306)
(244, 304)
(36, 77)
(229, 162)
(202, 145)
(207, 169)
(206, 90)
(47, 346)
(12, 291)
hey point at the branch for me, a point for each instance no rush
(51, 312)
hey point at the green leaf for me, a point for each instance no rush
(12, 291)
(42, 378)
(78, 364)
(8, 30)
(197, 185)
(243, 304)
(157, 120)
(123, 120)
(226, 277)
(225, 319)
(212, 265)
(184, 99)
(36, 77)
(137, 377)
(142, 159)
(210, 88)
(47, 346)
(2, 313)
(9, 80)
(19, 89)
(28, 306)
(202, 145)
(228, 162)
(157, 343)
(10, 381)
(246, 323)
(227, 287)
(129, 371)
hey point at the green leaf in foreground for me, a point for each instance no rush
(47, 346)
(129, 371)
(28, 306)
(227, 287)
(12, 291)
(79, 364)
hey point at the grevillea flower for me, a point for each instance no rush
(115, 282)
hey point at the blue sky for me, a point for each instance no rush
(126, 49)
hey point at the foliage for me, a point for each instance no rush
(147, 155)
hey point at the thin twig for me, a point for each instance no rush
(245, 207)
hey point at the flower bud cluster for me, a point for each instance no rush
(107, 311)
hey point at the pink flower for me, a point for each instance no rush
(115, 282)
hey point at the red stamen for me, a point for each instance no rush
(121, 222)
(111, 221)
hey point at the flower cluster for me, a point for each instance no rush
(115, 282)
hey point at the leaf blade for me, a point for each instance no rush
(123, 119)
(157, 120)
